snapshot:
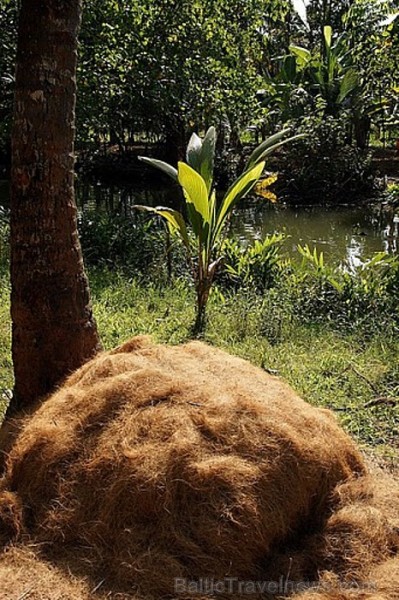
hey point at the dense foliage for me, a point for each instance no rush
(8, 28)
(150, 73)
(163, 68)
(323, 166)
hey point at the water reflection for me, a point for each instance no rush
(349, 234)
(345, 233)
(121, 200)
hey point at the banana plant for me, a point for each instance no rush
(206, 215)
(332, 75)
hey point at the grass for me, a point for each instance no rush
(327, 368)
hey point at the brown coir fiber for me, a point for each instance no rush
(23, 576)
(153, 463)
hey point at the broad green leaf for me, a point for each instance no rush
(257, 153)
(327, 31)
(348, 84)
(194, 217)
(193, 153)
(174, 219)
(302, 55)
(161, 165)
(195, 190)
(176, 222)
(238, 190)
(275, 147)
(208, 157)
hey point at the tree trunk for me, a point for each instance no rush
(53, 329)
(175, 141)
(362, 130)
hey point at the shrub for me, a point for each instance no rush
(365, 298)
(135, 243)
(256, 266)
(324, 167)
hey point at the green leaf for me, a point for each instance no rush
(173, 218)
(195, 190)
(302, 55)
(338, 286)
(212, 207)
(175, 221)
(349, 83)
(193, 152)
(195, 219)
(271, 141)
(161, 165)
(237, 190)
(327, 31)
(207, 158)
(275, 147)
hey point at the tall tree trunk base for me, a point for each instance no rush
(43, 359)
(54, 331)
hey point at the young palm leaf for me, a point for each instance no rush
(161, 165)
(235, 193)
(174, 220)
(271, 145)
(200, 155)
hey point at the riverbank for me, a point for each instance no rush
(110, 165)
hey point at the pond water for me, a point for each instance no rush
(344, 233)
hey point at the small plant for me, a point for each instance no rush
(256, 266)
(392, 193)
(207, 216)
(347, 298)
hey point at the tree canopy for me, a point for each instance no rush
(160, 70)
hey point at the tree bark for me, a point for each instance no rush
(53, 329)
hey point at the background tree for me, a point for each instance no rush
(372, 31)
(168, 67)
(157, 71)
(53, 327)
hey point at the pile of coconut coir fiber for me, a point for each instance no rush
(178, 472)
